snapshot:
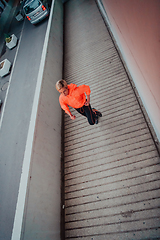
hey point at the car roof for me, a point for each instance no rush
(28, 1)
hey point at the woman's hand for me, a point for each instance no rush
(72, 117)
(87, 101)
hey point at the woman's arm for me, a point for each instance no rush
(70, 114)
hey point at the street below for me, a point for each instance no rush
(17, 93)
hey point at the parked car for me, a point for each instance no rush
(35, 10)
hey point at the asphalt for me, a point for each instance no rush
(9, 25)
(16, 113)
(8, 22)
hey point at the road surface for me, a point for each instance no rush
(26, 59)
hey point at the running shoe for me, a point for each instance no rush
(97, 112)
(96, 119)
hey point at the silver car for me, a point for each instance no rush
(35, 11)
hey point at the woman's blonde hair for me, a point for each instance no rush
(60, 84)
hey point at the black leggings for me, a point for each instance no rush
(87, 112)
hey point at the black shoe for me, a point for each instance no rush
(97, 112)
(96, 119)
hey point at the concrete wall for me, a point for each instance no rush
(41, 219)
(135, 26)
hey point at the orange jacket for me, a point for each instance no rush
(75, 98)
